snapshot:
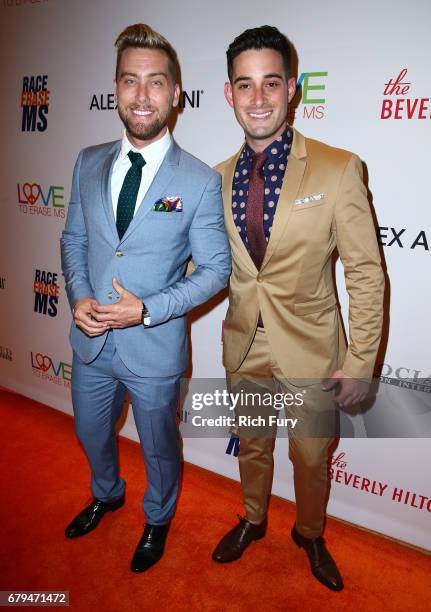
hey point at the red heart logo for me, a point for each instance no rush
(28, 189)
(43, 361)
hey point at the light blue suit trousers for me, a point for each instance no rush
(98, 393)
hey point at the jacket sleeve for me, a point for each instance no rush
(360, 256)
(74, 245)
(211, 257)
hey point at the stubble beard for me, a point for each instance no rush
(142, 131)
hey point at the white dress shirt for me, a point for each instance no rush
(153, 154)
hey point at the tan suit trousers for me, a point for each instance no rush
(311, 441)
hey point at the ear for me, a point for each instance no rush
(291, 88)
(176, 95)
(228, 93)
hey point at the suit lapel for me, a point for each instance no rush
(158, 187)
(291, 183)
(230, 224)
(106, 188)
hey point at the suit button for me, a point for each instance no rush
(110, 295)
(259, 279)
(119, 253)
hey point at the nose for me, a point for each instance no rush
(259, 96)
(142, 92)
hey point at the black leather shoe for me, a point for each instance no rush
(89, 518)
(234, 543)
(150, 547)
(322, 565)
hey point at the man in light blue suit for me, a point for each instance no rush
(140, 208)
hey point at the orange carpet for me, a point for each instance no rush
(45, 483)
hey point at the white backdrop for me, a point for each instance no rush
(356, 49)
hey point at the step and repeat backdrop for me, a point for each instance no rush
(364, 84)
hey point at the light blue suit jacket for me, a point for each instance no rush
(151, 258)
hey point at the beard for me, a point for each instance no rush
(142, 131)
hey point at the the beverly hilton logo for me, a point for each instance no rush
(51, 370)
(340, 475)
(398, 103)
(312, 104)
(44, 201)
(35, 103)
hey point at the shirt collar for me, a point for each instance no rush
(152, 153)
(278, 150)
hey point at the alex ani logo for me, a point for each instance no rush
(44, 367)
(13, 3)
(313, 103)
(106, 101)
(397, 104)
(33, 199)
(5, 353)
(35, 103)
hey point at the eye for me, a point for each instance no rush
(129, 81)
(157, 83)
(243, 86)
(272, 84)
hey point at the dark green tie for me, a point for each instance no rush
(129, 193)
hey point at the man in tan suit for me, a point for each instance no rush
(289, 202)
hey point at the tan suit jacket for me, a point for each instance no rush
(294, 290)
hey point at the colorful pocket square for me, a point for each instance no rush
(310, 198)
(169, 204)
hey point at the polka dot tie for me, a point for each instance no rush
(129, 192)
(254, 214)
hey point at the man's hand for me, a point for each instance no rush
(125, 313)
(348, 390)
(83, 319)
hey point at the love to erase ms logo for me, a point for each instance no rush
(312, 86)
(49, 369)
(44, 201)
(398, 103)
(35, 103)
(46, 292)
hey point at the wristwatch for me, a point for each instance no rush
(145, 316)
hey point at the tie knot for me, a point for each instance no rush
(257, 162)
(136, 159)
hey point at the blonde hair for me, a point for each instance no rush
(143, 36)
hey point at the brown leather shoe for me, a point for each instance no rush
(234, 543)
(321, 563)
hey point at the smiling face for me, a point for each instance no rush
(259, 94)
(146, 94)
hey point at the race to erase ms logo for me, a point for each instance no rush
(312, 86)
(35, 103)
(398, 103)
(50, 370)
(45, 201)
(46, 292)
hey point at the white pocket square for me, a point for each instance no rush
(310, 198)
